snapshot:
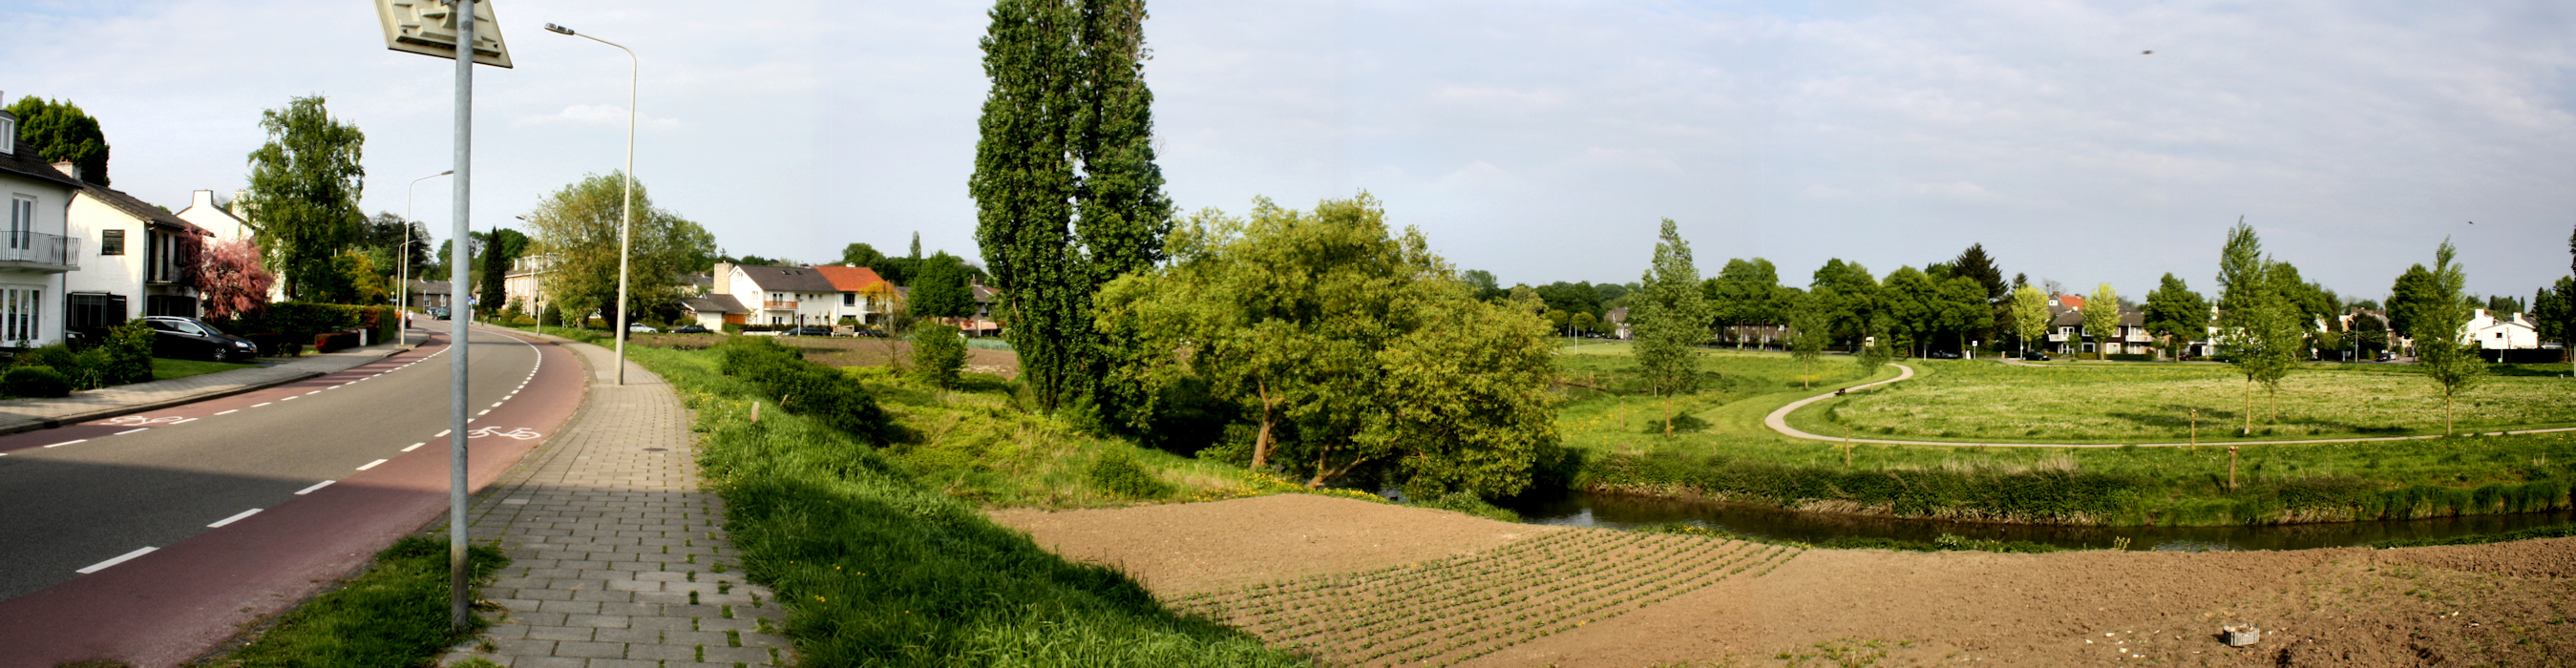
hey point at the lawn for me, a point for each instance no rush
(2114, 403)
(167, 369)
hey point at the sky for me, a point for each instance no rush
(1541, 140)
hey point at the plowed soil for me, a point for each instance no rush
(1302, 570)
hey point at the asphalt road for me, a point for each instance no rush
(80, 496)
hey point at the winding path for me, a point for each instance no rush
(1778, 421)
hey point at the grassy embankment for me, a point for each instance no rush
(169, 369)
(393, 615)
(882, 556)
(1725, 452)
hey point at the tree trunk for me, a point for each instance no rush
(2249, 407)
(1261, 444)
(2446, 414)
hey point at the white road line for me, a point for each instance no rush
(415, 446)
(229, 412)
(261, 404)
(186, 421)
(236, 518)
(441, 433)
(486, 411)
(290, 398)
(496, 404)
(64, 443)
(371, 464)
(312, 393)
(318, 485)
(100, 566)
(129, 431)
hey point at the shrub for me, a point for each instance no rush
(938, 354)
(126, 354)
(35, 381)
(805, 388)
(1117, 473)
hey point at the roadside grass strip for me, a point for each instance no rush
(1453, 610)
(394, 615)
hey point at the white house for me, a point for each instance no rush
(2487, 330)
(778, 295)
(35, 251)
(138, 265)
(206, 215)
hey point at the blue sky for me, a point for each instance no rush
(1540, 140)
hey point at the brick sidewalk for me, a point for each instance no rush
(618, 561)
(24, 415)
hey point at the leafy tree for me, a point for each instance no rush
(941, 291)
(1973, 264)
(2553, 311)
(2257, 328)
(1347, 346)
(231, 279)
(1609, 292)
(2030, 315)
(2504, 306)
(2369, 333)
(1583, 322)
(1668, 317)
(489, 291)
(2175, 314)
(1809, 330)
(1066, 191)
(60, 131)
(1914, 303)
(304, 186)
(862, 255)
(1571, 298)
(1850, 297)
(2102, 318)
(1745, 293)
(938, 354)
(2452, 364)
(578, 227)
(1487, 289)
(2409, 297)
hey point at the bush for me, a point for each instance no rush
(2128, 357)
(805, 388)
(1117, 473)
(335, 341)
(126, 354)
(938, 354)
(35, 381)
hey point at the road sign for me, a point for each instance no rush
(428, 27)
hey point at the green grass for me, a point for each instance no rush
(167, 369)
(394, 615)
(1723, 451)
(877, 566)
(2114, 403)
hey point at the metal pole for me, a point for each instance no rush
(402, 303)
(626, 227)
(457, 568)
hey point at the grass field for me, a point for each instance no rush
(166, 369)
(2113, 403)
(1721, 450)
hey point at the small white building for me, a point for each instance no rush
(224, 225)
(2492, 331)
(35, 249)
(138, 262)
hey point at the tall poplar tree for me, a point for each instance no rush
(1066, 190)
(1668, 316)
(304, 186)
(2452, 364)
(2029, 315)
(2257, 328)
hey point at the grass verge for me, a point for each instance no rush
(168, 369)
(394, 615)
(876, 566)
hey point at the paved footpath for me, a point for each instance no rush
(25, 415)
(617, 559)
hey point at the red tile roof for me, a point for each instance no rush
(850, 279)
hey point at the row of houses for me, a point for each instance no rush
(2486, 329)
(78, 255)
(738, 294)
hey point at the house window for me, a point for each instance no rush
(849, 299)
(22, 222)
(111, 242)
(18, 308)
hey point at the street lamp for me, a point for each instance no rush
(626, 222)
(402, 303)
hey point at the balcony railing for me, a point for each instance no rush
(781, 305)
(40, 251)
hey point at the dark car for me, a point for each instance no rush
(2035, 356)
(689, 329)
(177, 337)
(438, 313)
(808, 330)
(1943, 355)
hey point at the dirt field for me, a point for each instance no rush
(1304, 571)
(838, 351)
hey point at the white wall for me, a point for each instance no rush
(113, 274)
(53, 202)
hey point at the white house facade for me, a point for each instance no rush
(2492, 331)
(134, 263)
(35, 249)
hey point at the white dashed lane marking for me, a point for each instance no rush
(372, 464)
(64, 443)
(100, 566)
(318, 485)
(414, 446)
(129, 431)
(264, 403)
(236, 518)
(229, 412)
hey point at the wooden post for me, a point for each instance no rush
(2231, 468)
(2195, 430)
(755, 410)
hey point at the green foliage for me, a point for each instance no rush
(578, 227)
(126, 355)
(35, 381)
(938, 354)
(2029, 315)
(1067, 194)
(2258, 329)
(1945, 543)
(941, 290)
(489, 292)
(1746, 292)
(805, 388)
(1118, 474)
(1468, 503)
(1975, 265)
(2533, 533)
(394, 615)
(1810, 330)
(2442, 317)
(60, 131)
(2175, 313)
(2102, 317)
(304, 186)
(1852, 299)
(2039, 496)
(1669, 317)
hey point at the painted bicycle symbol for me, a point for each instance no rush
(522, 433)
(137, 420)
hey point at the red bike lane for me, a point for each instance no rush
(172, 604)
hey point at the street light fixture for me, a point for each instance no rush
(402, 302)
(626, 222)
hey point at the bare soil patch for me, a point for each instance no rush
(1307, 572)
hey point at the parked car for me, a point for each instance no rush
(808, 330)
(641, 328)
(2035, 356)
(178, 337)
(1943, 355)
(689, 329)
(438, 312)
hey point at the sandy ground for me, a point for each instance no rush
(2495, 605)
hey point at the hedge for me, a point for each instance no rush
(805, 388)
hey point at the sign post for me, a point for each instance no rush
(441, 28)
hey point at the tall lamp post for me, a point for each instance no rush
(626, 222)
(402, 302)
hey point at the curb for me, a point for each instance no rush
(77, 418)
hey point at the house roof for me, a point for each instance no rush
(430, 287)
(787, 279)
(714, 303)
(985, 295)
(850, 279)
(140, 209)
(22, 162)
(2075, 318)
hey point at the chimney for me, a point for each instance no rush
(204, 198)
(68, 168)
(724, 278)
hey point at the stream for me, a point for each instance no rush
(1627, 512)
